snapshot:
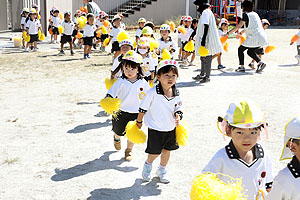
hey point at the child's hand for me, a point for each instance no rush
(291, 43)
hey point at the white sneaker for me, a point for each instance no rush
(298, 58)
(35, 49)
(147, 172)
(26, 49)
(161, 173)
(185, 62)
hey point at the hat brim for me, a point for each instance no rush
(286, 152)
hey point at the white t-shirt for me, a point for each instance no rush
(170, 44)
(68, 27)
(89, 30)
(138, 32)
(298, 41)
(255, 176)
(23, 22)
(186, 37)
(116, 63)
(160, 110)
(286, 184)
(114, 33)
(154, 56)
(205, 18)
(56, 21)
(122, 25)
(221, 32)
(148, 65)
(131, 94)
(239, 11)
(33, 26)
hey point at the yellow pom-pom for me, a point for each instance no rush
(295, 38)
(223, 39)
(226, 46)
(84, 19)
(39, 16)
(79, 35)
(24, 34)
(165, 54)
(203, 51)
(182, 133)
(189, 47)
(60, 29)
(103, 30)
(154, 44)
(98, 34)
(134, 134)
(208, 186)
(134, 44)
(39, 33)
(172, 26)
(122, 36)
(182, 30)
(109, 83)
(27, 38)
(61, 16)
(151, 84)
(105, 23)
(243, 38)
(110, 105)
(42, 37)
(270, 48)
(105, 43)
(81, 23)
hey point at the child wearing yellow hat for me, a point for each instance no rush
(243, 157)
(287, 183)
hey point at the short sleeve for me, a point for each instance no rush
(27, 25)
(245, 18)
(115, 64)
(215, 165)
(39, 24)
(112, 32)
(280, 189)
(205, 18)
(115, 88)
(146, 102)
(269, 175)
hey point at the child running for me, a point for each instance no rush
(162, 110)
(66, 37)
(223, 30)
(298, 47)
(243, 157)
(166, 42)
(182, 24)
(287, 183)
(32, 27)
(116, 29)
(131, 89)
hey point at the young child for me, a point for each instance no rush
(287, 183)
(207, 37)
(125, 46)
(162, 110)
(141, 24)
(148, 65)
(243, 157)
(193, 37)
(76, 27)
(122, 24)
(55, 22)
(116, 29)
(182, 23)
(185, 39)
(66, 37)
(32, 27)
(88, 35)
(166, 42)
(223, 30)
(24, 15)
(298, 47)
(50, 27)
(130, 89)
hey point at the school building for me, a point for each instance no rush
(280, 11)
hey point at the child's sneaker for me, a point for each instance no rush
(185, 62)
(161, 173)
(117, 144)
(88, 56)
(35, 49)
(128, 154)
(260, 67)
(191, 64)
(94, 46)
(62, 52)
(26, 49)
(220, 66)
(72, 53)
(147, 172)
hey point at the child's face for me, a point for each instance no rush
(26, 14)
(167, 80)
(68, 18)
(224, 27)
(117, 22)
(142, 24)
(56, 14)
(130, 73)
(295, 147)
(265, 26)
(125, 48)
(164, 33)
(195, 24)
(188, 24)
(244, 139)
(184, 23)
(91, 20)
(32, 16)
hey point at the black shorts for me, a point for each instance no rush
(119, 124)
(88, 41)
(49, 27)
(34, 38)
(158, 140)
(260, 51)
(55, 30)
(115, 47)
(65, 38)
(103, 37)
(74, 33)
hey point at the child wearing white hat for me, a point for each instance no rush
(287, 183)
(141, 24)
(243, 157)
(113, 37)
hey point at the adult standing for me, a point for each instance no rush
(92, 7)
(255, 36)
(207, 36)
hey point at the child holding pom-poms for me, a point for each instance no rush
(116, 29)
(243, 157)
(24, 15)
(88, 35)
(66, 37)
(32, 27)
(131, 88)
(55, 22)
(166, 42)
(162, 110)
(296, 39)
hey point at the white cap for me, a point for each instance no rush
(223, 21)
(116, 17)
(141, 20)
(133, 56)
(265, 21)
(164, 63)
(292, 131)
(188, 18)
(126, 42)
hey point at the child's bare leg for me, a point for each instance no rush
(193, 56)
(28, 44)
(129, 145)
(85, 49)
(35, 44)
(89, 49)
(164, 157)
(219, 59)
(151, 158)
(71, 46)
(61, 46)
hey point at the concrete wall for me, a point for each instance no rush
(17, 7)
(162, 10)
(3, 15)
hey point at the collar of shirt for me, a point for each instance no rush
(294, 167)
(159, 90)
(233, 154)
(168, 40)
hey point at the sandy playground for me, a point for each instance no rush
(56, 141)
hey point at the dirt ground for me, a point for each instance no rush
(56, 141)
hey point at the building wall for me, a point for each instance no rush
(3, 15)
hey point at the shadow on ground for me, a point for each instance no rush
(90, 126)
(289, 65)
(99, 164)
(135, 192)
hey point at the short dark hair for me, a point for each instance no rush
(296, 141)
(247, 6)
(167, 69)
(89, 15)
(131, 64)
